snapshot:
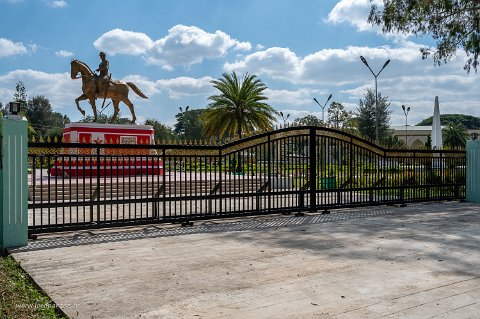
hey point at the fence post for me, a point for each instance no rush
(312, 150)
(473, 171)
(13, 183)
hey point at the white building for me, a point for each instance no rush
(416, 136)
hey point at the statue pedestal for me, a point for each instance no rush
(93, 161)
(89, 133)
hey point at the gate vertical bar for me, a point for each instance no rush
(269, 170)
(312, 150)
(384, 175)
(164, 185)
(220, 180)
(98, 184)
(351, 171)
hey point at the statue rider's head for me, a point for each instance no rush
(102, 55)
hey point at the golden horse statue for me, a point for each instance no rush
(117, 91)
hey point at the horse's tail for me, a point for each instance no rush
(136, 90)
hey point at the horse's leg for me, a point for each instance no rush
(91, 99)
(126, 100)
(77, 100)
(116, 109)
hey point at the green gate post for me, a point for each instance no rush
(473, 171)
(13, 183)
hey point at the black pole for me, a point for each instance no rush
(313, 170)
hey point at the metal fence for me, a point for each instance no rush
(297, 169)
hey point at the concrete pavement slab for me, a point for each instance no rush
(419, 261)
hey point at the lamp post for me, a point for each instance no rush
(376, 92)
(184, 119)
(14, 107)
(405, 111)
(284, 118)
(323, 107)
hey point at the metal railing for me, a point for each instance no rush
(297, 169)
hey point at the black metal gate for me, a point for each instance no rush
(296, 169)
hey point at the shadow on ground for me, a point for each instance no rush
(432, 230)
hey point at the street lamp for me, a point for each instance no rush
(323, 107)
(284, 118)
(376, 92)
(405, 111)
(14, 107)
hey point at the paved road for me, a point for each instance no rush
(420, 261)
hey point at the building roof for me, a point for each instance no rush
(413, 128)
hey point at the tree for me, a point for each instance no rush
(393, 142)
(43, 119)
(239, 107)
(338, 117)
(20, 94)
(469, 121)
(428, 143)
(455, 136)
(161, 131)
(103, 118)
(54, 132)
(308, 120)
(31, 133)
(189, 124)
(366, 113)
(451, 23)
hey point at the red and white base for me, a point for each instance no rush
(119, 161)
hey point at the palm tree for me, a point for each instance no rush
(239, 107)
(455, 136)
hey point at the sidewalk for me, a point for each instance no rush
(420, 261)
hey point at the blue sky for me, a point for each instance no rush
(172, 50)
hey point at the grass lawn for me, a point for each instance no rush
(18, 296)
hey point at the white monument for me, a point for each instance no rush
(437, 143)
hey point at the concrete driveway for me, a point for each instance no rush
(419, 261)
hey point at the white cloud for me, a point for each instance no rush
(33, 48)
(295, 114)
(183, 45)
(57, 4)
(300, 97)
(413, 88)
(145, 85)
(64, 54)
(186, 86)
(118, 41)
(9, 48)
(57, 87)
(341, 65)
(243, 46)
(187, 45)
(458, 93)
(354, 12)
(406, 80)
(61, 91)
(278, 63)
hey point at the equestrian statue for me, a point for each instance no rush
(101, 86)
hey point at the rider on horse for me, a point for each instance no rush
(103, 70)
(117, 91)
